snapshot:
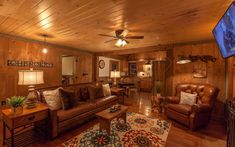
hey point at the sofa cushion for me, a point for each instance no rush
(181, 108)
(188, 98)
(84, 94)
(95, 92)
(106, 90)
(52, 98)
(103, 101)
(82, 107)
(68, 98)
(76, 90)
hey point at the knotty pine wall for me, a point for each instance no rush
(215, 71)
(18, 49)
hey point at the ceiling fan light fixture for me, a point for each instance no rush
(124, 33)
(121, 42)
(118, 43)
(124, 42)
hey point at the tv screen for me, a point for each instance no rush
(224, 32)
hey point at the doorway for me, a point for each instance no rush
(69, 69)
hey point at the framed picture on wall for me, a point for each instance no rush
(132, 69)
(200, 70)
(113, 65)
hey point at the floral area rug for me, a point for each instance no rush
(139, 131)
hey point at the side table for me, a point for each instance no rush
(120, 92)
(28, 117)
(158, 103)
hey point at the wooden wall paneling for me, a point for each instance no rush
(159, 74)
(85, 68)
(139, 66)
(169, 73)
(94, 68)
(156, 55)
(146, 84)
(14, 49)
(215, 71)
(229, 77)
(124, 65)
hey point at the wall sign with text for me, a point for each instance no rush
(28, 64)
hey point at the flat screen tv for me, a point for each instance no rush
(224, 32)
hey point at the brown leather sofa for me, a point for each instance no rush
(61, 120)
(197, 115)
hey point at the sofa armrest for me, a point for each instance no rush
(198, 108)
(53, 123)
(172, 99)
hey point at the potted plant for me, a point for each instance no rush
(16, 103)
(158, 85)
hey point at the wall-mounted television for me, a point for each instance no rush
(224, 32)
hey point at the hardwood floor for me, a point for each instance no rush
(179, 136)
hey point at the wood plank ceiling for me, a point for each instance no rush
(77, 23)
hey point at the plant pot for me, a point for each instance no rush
(158, 94)
(17, 110)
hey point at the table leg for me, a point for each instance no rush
(123, 98)
(4, 133)
(123, 116)
(12, 138)
(105, 125)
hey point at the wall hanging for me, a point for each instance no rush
(19, 63)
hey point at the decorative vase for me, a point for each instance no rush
(17, 110)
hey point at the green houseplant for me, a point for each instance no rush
(16, 103)
(157, 88)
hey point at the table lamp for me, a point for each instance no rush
(115, 74)
(30, 77)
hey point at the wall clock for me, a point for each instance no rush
(101, 64)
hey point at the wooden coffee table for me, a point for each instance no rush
(105, 117)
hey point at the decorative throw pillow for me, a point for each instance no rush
(76, 97)
(95, 92)
(106, 90)
(188, 98)
(84, 94)
(67, 98)
(52, 98)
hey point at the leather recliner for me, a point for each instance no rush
(197, 115)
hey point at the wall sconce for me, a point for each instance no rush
(204, 58)
(183, 59)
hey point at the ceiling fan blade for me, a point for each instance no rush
(134, 37)
(106, 35)
(127, 42)
(110, 40)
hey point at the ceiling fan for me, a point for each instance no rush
(121, 37)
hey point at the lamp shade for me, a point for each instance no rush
(30, 77)
(115, 74)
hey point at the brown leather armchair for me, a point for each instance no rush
(197, 115)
